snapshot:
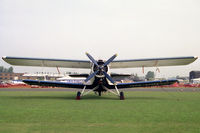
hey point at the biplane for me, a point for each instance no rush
(100, 78)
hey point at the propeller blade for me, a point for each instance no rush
(90, 76)
(91, 58)
(110, 60)
(108, 77)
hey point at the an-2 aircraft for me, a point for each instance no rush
(100, 79)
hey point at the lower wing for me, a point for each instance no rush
(56, 84)
(143, 84)
(81, 85)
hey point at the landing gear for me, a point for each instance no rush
(121, 95)
(99, 93)
(78, 97)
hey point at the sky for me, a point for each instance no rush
(133, 29)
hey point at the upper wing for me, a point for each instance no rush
(20, 61)
(153, 62)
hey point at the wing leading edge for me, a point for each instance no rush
(44, 62)
(150, 62)
(144, 84)
(81, 85)
(55, 84)
(153, 62)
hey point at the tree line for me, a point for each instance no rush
(6, 70)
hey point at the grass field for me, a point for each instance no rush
(141, 112)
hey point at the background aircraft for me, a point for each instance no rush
(100, 79)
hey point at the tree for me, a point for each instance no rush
(150, 75)
(1, 69)
(134, 77)
(6, 70)
(10, 70)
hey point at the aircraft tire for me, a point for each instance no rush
(78, 97)
(121, 95)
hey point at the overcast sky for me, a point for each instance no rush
(134, 29)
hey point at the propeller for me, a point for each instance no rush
(91, 76)
(108, 77)
(100, 68)
(110, 60)
(91, 58)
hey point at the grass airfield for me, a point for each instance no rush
(143, 112)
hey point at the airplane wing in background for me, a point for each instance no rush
(43, 62)
(153, 62)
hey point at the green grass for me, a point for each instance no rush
(141, 112)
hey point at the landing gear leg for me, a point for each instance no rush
(78, 97)
(121, 95)
(99, 93)
(83, 93)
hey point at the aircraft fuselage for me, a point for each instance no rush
(99, 80)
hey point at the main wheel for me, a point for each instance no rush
(78, 96)
(121, 95)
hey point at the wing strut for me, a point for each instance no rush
(58, 70)
(143, 69)
(158, 70)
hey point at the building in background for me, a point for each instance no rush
(31, 76)
(194, 75)
(15, 76)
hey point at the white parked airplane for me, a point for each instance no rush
(99, 79)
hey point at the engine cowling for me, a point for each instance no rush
(100, 68)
